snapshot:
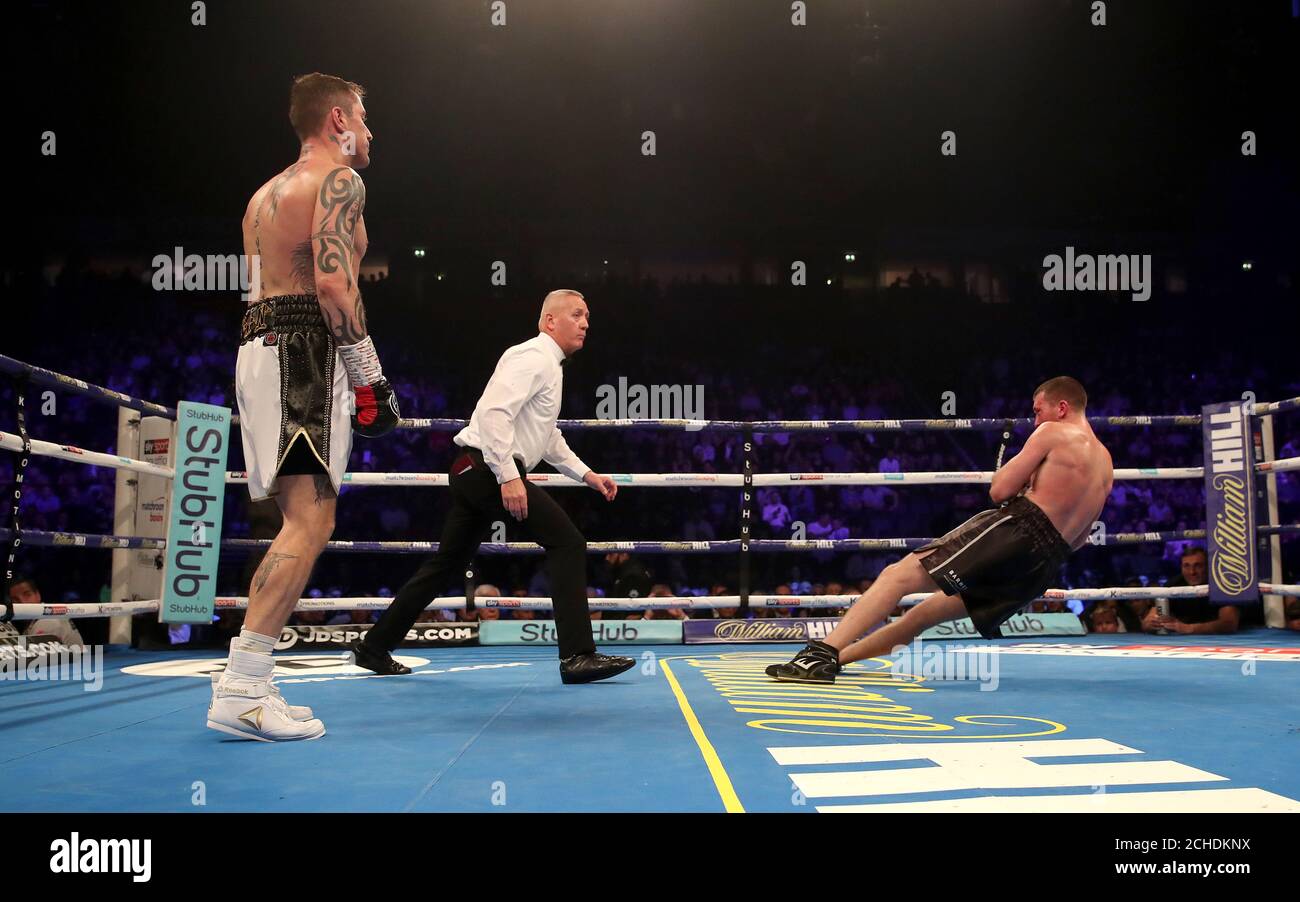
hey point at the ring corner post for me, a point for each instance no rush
(469, 589)
(1262, 439)
(746, 516)
(125, 504)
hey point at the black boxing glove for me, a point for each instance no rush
(377, 412)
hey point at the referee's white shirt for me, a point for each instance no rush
(515, 417)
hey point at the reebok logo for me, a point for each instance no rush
(253, 717)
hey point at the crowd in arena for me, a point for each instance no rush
(185, 350)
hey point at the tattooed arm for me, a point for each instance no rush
(337, 246)
(336, 259)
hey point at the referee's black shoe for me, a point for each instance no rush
(381, 662)
(817, 663)
(592, 667)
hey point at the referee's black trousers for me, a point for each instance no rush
(475, 505)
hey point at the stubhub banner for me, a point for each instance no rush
(198, 497)
(1018, 625)
(604, 632)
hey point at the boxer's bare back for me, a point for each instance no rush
(307, 230)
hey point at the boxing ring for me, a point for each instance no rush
(1123, 722)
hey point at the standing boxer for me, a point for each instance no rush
(304, 354)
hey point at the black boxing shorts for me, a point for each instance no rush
(997, 561)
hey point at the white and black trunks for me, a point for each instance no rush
(295, 405)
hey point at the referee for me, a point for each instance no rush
(513, 427)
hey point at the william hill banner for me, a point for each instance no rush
(198, 495)
(775, 629)
(704, 632)
(1229, 503)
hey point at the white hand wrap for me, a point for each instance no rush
(361, 362)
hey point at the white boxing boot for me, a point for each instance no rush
(254, 709)
(297, 712)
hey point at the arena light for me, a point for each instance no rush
(1247, 265)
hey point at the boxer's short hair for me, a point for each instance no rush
(313, 96)
(1193, 551)
(1064, 388)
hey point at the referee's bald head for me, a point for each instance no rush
(565, 319)
(556, 303)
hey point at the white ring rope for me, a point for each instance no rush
(11, 442)
(735, 480)
(74, 454)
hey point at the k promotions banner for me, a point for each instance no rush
(611, 632)
(1230, 503)
(422, 635)
(198, 496)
